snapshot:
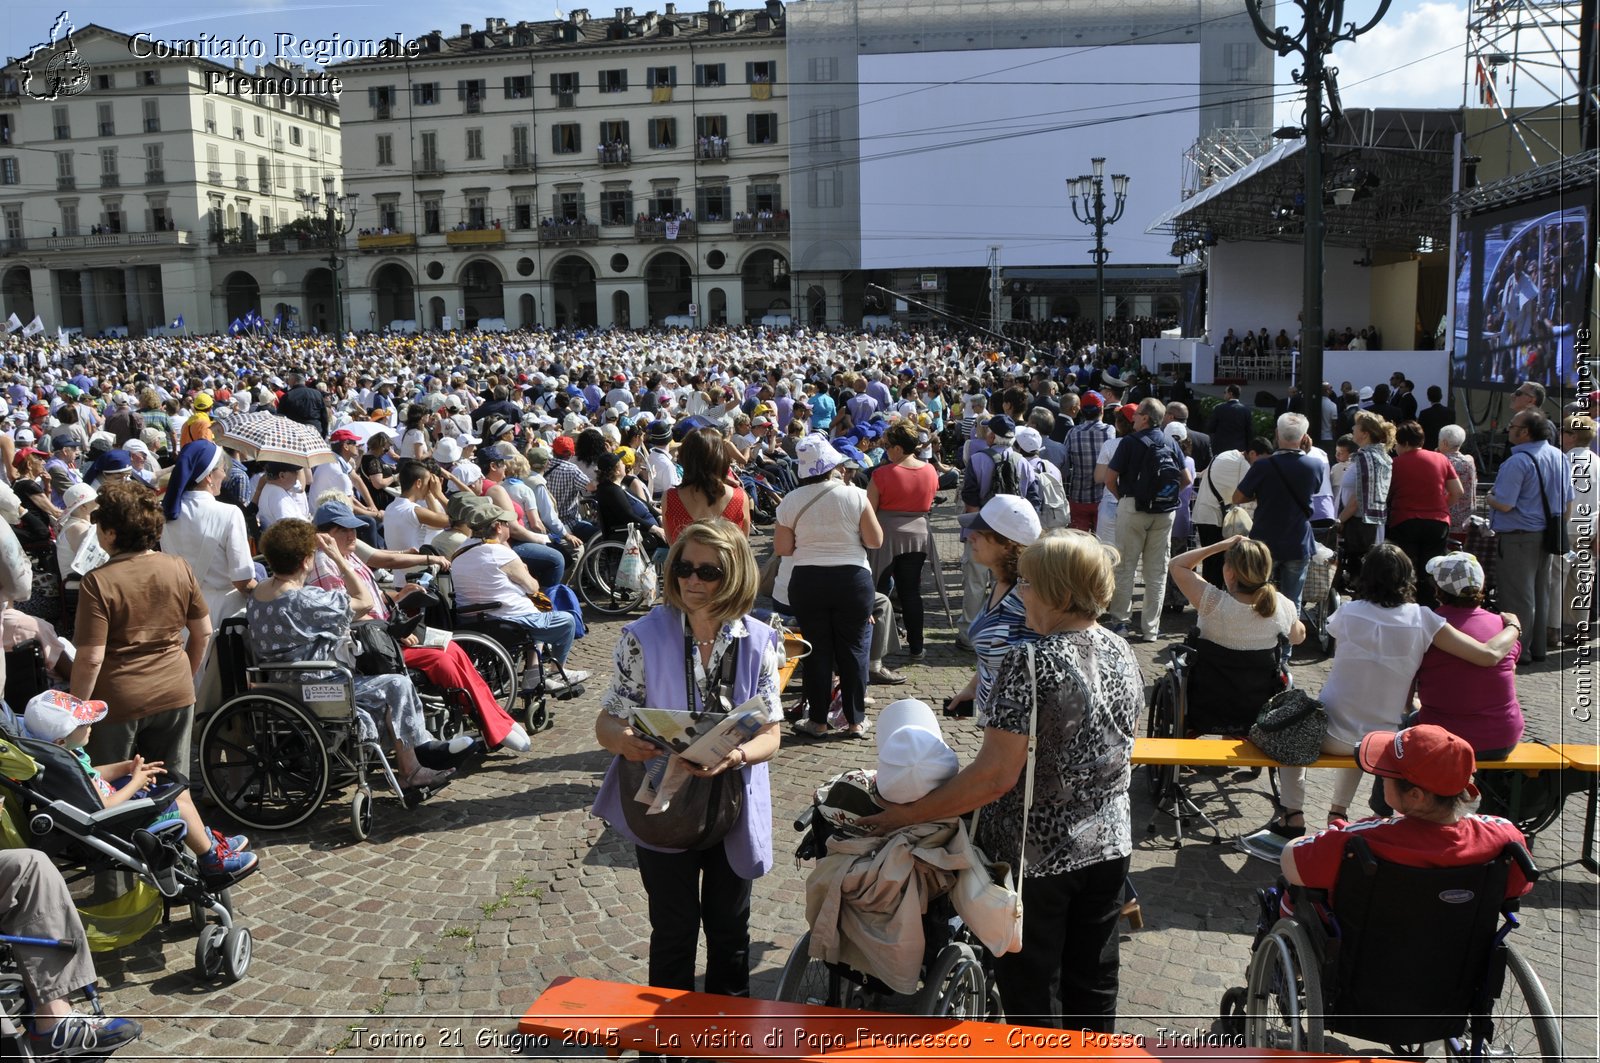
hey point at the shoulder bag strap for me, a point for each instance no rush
(813, 500)
(1033, 739)
(1544, 499)
(1212, 484)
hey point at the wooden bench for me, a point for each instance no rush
(1586, 758)
(611, 1017)
(1529, 758)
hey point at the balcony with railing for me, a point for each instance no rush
(430, 168)
(746, 226)
(711, 149)
(242, 183)
(108, 129)
(277, 143)
(264, 186)
(214, 176)
(614, 156)
(155, 177)
(557, 233)
(519, 161)
(664, 229)
(112, 241)
(474, 104)
(110, 180)
(385, 241)
(486, 237)
(66, 184)
(383, 112)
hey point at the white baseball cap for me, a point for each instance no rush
(1029, 441)
(913, 759)
(1008, 516)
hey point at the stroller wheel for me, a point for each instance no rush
(199, 915)
(208, 951)
(236, 949)
(361, 813)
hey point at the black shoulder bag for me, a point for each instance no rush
(703, 810)
(1554, 536)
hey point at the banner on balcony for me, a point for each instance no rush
(672, 229)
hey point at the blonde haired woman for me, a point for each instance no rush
(698, 650)
(1366, 485)
(1090, 696)
(1250, 614)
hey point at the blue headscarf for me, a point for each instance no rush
(195, 462)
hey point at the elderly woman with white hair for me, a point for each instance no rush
(1451, 436)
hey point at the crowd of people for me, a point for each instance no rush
(500, 456)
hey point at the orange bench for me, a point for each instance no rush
(1586, 758)
(613, 1017)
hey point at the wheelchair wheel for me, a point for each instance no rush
(1283, 1000)
(597, 581)
(807, 980)
(955, 986)
(361, 813)
(1538, 798)
(1162, 723)
(1524, 1025)
(264, 761)
(492, 662)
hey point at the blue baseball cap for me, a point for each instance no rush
(338, 514)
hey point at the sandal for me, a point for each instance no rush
(812, 729)
(426, 779)
(858, 730)
(1337, 813)
(1279, 825)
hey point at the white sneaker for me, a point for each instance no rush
(517, 739)
(574, 676)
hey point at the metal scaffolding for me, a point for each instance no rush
(1523, 61)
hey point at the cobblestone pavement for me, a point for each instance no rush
(430, 939)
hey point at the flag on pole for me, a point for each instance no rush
(277, 321)
(13, 323)
(61, 337)
(235, 328)
(179, 322)
(34, 327)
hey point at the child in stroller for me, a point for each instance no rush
(60, 719)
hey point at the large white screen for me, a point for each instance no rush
(949, 169)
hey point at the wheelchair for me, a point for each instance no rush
(957, 977)
(596, 575)
(1351, 967)
(274, 751)
(51, 806)
(1206, 689)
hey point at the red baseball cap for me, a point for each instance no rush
(1128, 409)
(1425, 755)
(344, 435)
(562, 446)
(1091, 398)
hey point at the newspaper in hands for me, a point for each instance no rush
(706, 741)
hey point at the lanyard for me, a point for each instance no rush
(709, 699)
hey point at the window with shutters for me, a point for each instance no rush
(149, 77)
(209, 112)
(471, 93)
(429, 142)
(1236, 59)
(761, 128)
(564, 87)
(108, 164)
(238, 123)
(710, 75)
(261, 126)
(385, 149)
(713, 203)
(613, 133)
(663, 133)
(477, 212)
(519, 88)
(63, 124)
(379, 97)
(522, 210)
(616, 207)
(158, 217)
(475, 144)
(154, 170)
(103, 82)
(10, 172)
(764, 196)
(661, 76)
(213, 164)
(521, 148)
(432, 212)
(565, 138)
(567, 206)
(64, 174)
(825, 129)
(664, 202)
(13, 216)
(827, 188)
(263, 174)
(106, 121)
(825, 68)
(69, 218)
(762, 73)
(295, 136)
(613, 81)
(425, 94)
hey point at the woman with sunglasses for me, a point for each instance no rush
(679, 656)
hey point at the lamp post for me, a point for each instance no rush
(1325, 27)
(1088, 197)
(341, 218)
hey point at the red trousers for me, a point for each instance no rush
(451, 667)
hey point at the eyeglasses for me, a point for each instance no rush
(705, 573)
(1024, 584)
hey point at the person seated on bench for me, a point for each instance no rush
(1479, 704)
(1236, 625)
(35, 902)
(1427, 778)
(1382, 635)
(61, 719)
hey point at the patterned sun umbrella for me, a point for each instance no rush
(269, 437)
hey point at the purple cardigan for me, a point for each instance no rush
(660, 636)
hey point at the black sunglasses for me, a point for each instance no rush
(706, 573)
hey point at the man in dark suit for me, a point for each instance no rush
(1199, 442)
(1435, 417)
(1230, 423)
(304, 404)
(1406, 400)
(1383, 407)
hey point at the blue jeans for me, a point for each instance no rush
(545, 563)
(555, 629)
(1290, 576)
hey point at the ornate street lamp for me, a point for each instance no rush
(341, 218)
(1088, 197)
(1324, 27)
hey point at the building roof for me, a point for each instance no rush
(579, 32)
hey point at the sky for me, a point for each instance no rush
(1413, 58)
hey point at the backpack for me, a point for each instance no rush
(1161, 478)
(1005, 479)
(1049, 497)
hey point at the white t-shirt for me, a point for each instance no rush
(1224, 473)
(1236, 625)
(1105, 528)
(331, 476)
(276, 503)
(1377, 658)
(829, 534)
(414, 444)
(401, 528)
(478, 577)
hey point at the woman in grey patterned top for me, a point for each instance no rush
(1090, 693)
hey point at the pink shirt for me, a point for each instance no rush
(1479, 704)
(1417, 487)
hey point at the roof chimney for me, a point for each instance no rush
(466, 29)
(671, 10)
(579, 16)
(716, 7)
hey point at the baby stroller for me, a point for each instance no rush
(1320, 598)
(52, 806)
(956, 978)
